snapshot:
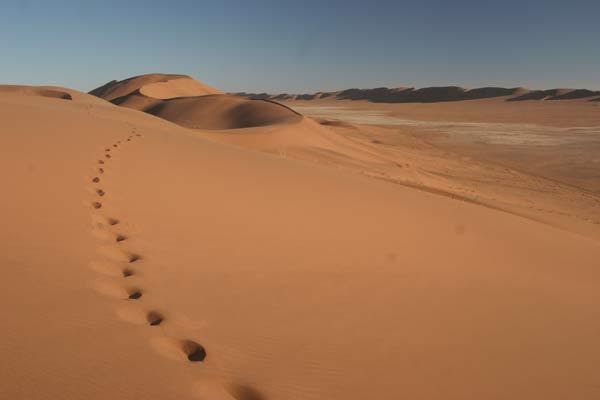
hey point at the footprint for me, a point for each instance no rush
(105, 234)
(107, 149)
(129, 140)
(244, 392)
(154, 318)
(97, 204)
(101, 170)
(111, 269)
(209, 387)
(117, 291)
(194, 351)
(133, 258)
(132, 313)
(114, 145)
(100, 192)
(95, 179)
(107, 155)
(117, 254)
(100, 161)
(100, 222)
(135, 294)
(179, 349)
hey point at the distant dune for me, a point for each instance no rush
(53, 92)
(190, 103)
(433, 94)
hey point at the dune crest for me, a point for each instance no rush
(433, 94)
(192, 104)
(156, 86)
(183, 87)
(51, 92)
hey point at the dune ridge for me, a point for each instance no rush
(50, 92)
(115, 89)
(190, 103)
(433, 94)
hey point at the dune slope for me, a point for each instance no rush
(192, 104)
(154, 85)
(141, 260)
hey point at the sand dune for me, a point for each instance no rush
(52, 92)
(433, 94)
(160, 86)
(192, 104)
(177, 88)
(221, 112)
(42, 91)
(575, 94)
(556, 94)
(143, 260)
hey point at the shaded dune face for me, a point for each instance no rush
(190, 103)
(222, 112)
(554, 94)
(434, 94)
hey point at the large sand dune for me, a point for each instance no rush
(142, 260)
(192, 104)
(159, 86)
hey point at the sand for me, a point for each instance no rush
(536, 159)
(143, 259)
(193, 104)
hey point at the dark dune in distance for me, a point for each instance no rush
(433, 94)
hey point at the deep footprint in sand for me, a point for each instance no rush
(133, 258)
(113, 221)
(127, 272)
(154, 318)
(135, 294)
(244, 392)
(97, 204)
(194, 351)
(110, 268)
(100, 192)
(95, 179)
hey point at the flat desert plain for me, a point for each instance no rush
(163, 240)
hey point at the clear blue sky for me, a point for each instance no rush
(300, 46)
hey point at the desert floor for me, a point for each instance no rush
(308, 259)
(537, 159)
